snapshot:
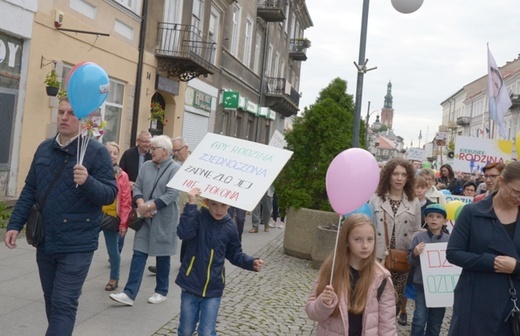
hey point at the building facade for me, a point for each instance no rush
(181, 55)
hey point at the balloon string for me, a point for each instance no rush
(335, 248)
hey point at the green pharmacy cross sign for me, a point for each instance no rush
(230, 100)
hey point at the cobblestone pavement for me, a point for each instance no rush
(272, 302)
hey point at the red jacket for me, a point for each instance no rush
(124, 198)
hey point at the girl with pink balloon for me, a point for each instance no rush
(361, 289)
(395, 206)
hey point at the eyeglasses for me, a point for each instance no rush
(514, 193)
(178, 150)
(154, 148)
(144, 141)
(491, 176)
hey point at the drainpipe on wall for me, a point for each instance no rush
(262, 79)
(139, 77)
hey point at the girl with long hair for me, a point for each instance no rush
(361, 299)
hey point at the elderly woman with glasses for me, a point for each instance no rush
(491, 173)
(157, 203)
(485, 242)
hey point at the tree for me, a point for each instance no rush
(323, 131)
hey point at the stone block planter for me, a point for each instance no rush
(301, 226)
(325, 241)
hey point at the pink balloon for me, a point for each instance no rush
(352, 178)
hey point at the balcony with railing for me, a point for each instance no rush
(515, 101)
(463, 121)
(272, 10)
(281, 96)
(298, 49)
(183, 52)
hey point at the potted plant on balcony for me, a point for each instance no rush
(323, 131)
(52, 83)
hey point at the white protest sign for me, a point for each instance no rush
(416, 154)
(473, 154)
(439, 276)
(277, 140)
(464, 199)
(230, 170)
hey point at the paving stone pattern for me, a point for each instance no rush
(272, 302)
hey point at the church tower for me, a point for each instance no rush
(387, 113)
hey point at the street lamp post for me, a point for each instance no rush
(402, 6)
(376, 126)
(362, 68)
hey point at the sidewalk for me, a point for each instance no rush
(267, 303)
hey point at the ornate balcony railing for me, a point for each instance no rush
(298, 49)
(183, 52)
(281, 96)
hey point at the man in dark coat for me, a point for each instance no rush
(133, 158)
(71, 215)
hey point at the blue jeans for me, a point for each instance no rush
(423, 317)
(136, 274)
(195, 309)
(62, 277)
(111, 241)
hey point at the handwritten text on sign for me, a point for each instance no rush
(230, 170)
(439, 276)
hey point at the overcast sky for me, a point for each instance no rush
(428, 55)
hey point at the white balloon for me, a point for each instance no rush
(407, 6)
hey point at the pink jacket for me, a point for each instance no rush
(124, 198)
(378, 317)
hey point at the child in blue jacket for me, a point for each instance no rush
(426, 321)
(211, 237)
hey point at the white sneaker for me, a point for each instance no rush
(156, 298)
(122, 298)
(280, 224)
(272, 223)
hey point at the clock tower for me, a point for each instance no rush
(387, 113)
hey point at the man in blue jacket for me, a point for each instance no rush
(71, 215)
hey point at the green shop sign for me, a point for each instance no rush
(230, 99)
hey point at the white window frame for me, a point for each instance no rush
(213, 32)
(258, 53)
(235, 29)
(248, 41)
(269, 60)
(133, 5)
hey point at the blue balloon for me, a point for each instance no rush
(87, 88)
(446, 192)
(364, 209)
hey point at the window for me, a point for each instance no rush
(238, 121)
(249, 129)
(282, 69)
(269, 60)
(133, 5)
(276, 64)
(112, 111)
(258, 55)
(196, 14)
(248, 41)
(225, 121)
(267, 132)
(214, 22)
(235, 31)
(286, 22)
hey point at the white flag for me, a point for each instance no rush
(499, 101)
